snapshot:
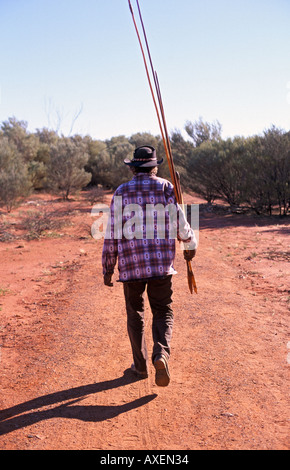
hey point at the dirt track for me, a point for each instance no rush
(65, 355)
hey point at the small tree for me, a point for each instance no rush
(98, 163)
(203, 169)
(276, 151)
(118, 148)
(201, 131)
(182, 151)
(231, 173)
(14, 179)
(268, 172)
(66, 168)
(218, 170)
(26, 144)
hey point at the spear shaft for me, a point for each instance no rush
(163, 128)
(173, 177)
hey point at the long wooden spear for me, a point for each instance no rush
(163, 127)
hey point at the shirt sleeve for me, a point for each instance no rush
(110, 246)
(185, 233)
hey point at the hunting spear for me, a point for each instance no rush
(164, 132)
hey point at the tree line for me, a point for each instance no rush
(245, 172)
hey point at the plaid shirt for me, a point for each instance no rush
(139, 256)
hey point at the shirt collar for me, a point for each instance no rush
(142, 175)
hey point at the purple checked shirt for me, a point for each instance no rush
(144, 244)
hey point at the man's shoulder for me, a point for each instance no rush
(162, 181)
(120, 189)
(137, 183)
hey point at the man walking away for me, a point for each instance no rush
(145, 257)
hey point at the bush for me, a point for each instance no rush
(66, 171)
(14, 179)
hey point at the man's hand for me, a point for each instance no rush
(189, 254)
(108, 279)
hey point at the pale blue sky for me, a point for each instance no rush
(219, 59)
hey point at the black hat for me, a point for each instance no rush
(144, 157)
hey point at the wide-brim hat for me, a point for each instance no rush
(144, 157)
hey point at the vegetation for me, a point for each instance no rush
(250, 173)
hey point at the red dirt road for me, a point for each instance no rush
(65, 354)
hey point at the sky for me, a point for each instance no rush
(75, 66)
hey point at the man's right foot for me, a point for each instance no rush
(162, 377)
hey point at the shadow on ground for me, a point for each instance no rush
(24, 414)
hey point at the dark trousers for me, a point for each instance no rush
(159, 293)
